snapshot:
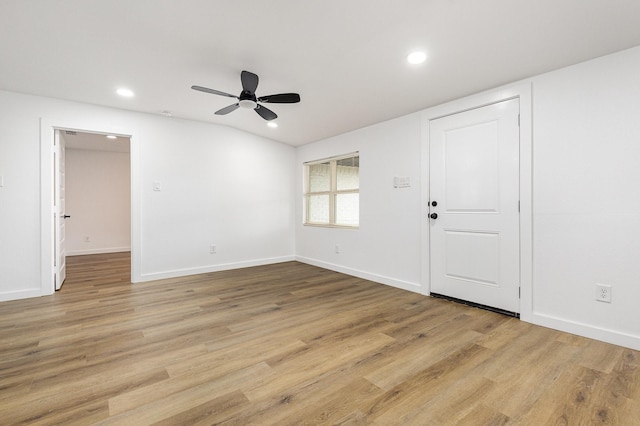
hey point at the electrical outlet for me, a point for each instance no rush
(337, 249)
(603, 293)
(212, 249)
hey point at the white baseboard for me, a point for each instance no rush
(20, 294)
(213, 268)
(404, 285)
(97, 251)
(587, 330)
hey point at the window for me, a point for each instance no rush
(332, 191)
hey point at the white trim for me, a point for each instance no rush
(404, 285)
(98, 251)
(587, 330)
(522, 91)
(175, 273)
(20, 294)
(336, 158)
(47, 131)
(47, 135)
(425, 229)
(136, 205)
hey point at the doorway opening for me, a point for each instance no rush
(522, 93)
(475, 218)
(93, 188)
(50, 216)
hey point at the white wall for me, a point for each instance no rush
(98, 199)
(19, 201)
(586, 198)
(220, 186)
(386, 247)
(586, 205)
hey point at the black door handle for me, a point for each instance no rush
(65, 216)
(433, 215)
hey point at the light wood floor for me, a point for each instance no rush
(292, 344)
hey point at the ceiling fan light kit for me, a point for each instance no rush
(248, 103)
(248, 99)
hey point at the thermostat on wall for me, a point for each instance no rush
(401, 182)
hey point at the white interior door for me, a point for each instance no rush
(59, 212)
(474, 207)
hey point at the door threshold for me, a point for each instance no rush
(476, 305)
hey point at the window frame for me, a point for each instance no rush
(333, 191)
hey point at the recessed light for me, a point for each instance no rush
(125, 93)
(112, 137)
(416, 57)
(272, 124)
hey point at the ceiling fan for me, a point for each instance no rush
(248, 99)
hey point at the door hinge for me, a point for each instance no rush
(518, 119)
(518, 292)
(518, 206)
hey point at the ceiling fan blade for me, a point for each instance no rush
(265, 113)
(212, 91)
(281, 98)
(227, 110)
(249, 82)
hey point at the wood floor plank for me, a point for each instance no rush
(313, 363)
(335, 407)
(407, 397)
(134, 404)
(415, 358)
(173, 405)
(203, 413)
(292, 344)
(450, 405)
(517, 392)
(481, 415)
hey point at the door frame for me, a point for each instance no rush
(47, 235)
(522, 91)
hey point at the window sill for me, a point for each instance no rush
(325, 225)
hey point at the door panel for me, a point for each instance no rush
(482, 247)
(60, 254)
(471, 167)
(474, 181)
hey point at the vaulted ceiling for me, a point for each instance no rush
(346, 58)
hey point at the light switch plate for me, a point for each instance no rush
(401, 182)
(157, 186)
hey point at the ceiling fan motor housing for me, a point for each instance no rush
(247, 100)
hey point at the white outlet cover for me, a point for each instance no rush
(603, 293)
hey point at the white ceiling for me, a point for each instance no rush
(346, 58)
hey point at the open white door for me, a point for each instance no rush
(59, 213)
(474, 207)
